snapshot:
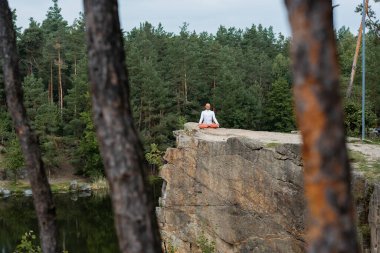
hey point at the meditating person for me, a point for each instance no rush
(208, 118)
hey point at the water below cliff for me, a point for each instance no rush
(85, 222)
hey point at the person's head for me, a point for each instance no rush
(208, 106)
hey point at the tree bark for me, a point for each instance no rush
(185, 77)
(60, 88)
(120, 147)
(75, 86)
(185, 87)
(51, 86)
(358, 43)
(42, 196)
(75, 65)
(320, 119)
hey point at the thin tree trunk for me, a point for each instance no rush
(150, 116)
(185, 76)
(358, 43)
(140, 114)
(42, 196)
(178, 98)
(75, 86)
(185, 86)
(51, 86)
(120, 147)
(76, 99)
(320, 119)
(60, 79)
(30, 69)
(213, 94)
(75, 65)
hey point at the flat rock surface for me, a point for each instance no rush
(372, 151)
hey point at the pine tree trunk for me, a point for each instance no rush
(178, 98)
(140, 114)
(60, 80)
(120, 147)
(185, 87)
(75, 65)
(320, 119)
(51, 86)
(358, 43)
(185, 77)
(213, 92)
(30, 69)
(75, 87)
(42, 195)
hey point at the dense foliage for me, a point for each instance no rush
(244, 74)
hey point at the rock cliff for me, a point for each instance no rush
(241, 191)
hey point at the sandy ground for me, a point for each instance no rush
(372, 151)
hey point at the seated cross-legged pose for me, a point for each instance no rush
(208, 118)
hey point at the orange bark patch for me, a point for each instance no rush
(312, 121)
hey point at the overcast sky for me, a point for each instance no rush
(202, 15)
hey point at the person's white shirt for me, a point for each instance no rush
(207, 117)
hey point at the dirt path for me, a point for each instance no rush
(371, 151)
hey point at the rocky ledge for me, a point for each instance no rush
(233, 190)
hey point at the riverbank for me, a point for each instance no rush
(70, 185)
(58, 185)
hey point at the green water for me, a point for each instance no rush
(85, 223)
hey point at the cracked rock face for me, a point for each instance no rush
(374, 219)
(227, 188)
(234, 192)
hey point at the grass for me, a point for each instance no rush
(170, 248)
(370, 169)
(272, 145)
(59, 187)
(99, 183)
(356, 156)
(17, 188)
(373, 141)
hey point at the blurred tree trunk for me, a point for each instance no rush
(120, 146)
(358, 43)
(42, 196)
(320, 119)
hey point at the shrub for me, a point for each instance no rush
(13, 160)
(205, 245)
(154, 157)
(28, 244)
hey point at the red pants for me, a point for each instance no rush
(208, 125)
